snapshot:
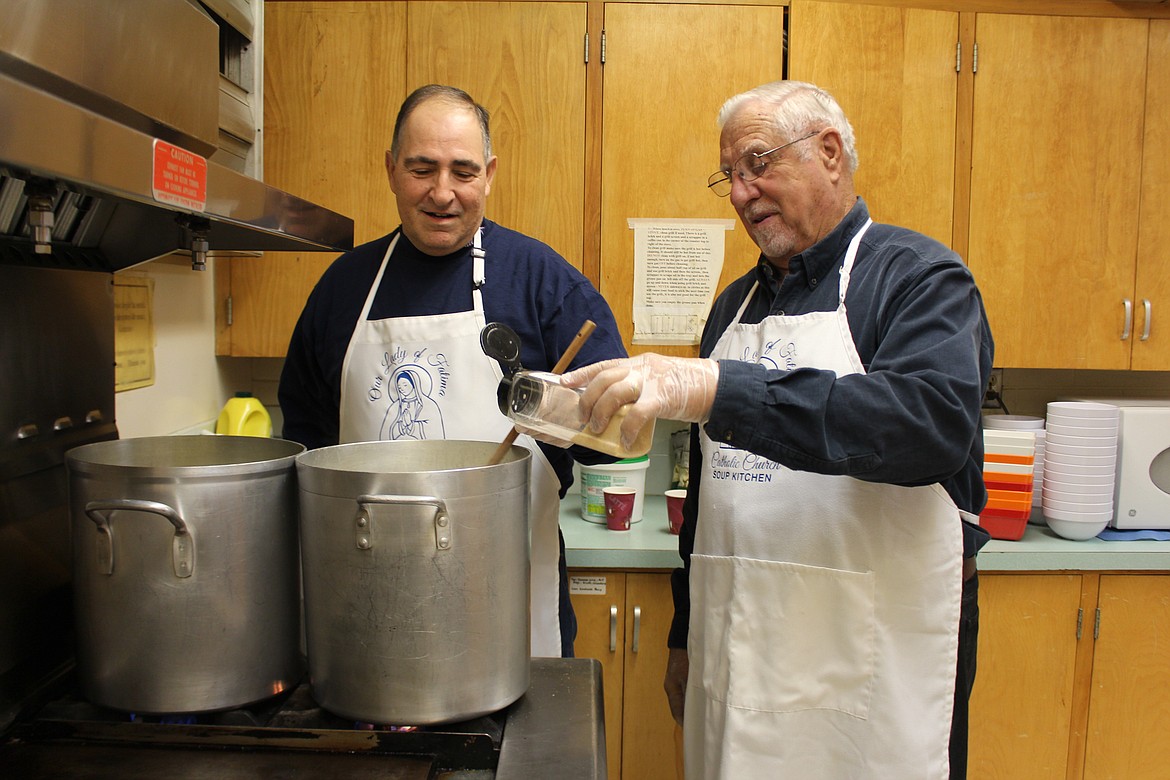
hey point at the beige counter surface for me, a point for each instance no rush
(649, 545)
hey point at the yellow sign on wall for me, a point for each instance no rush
(133, 332)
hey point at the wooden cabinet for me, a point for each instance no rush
(525, 63)
(1043, 166)
(1021, 708)
(623, 621)
(1129, 696)
(335, 75)
(1151, 345)
(1073, 679)
(331, 111)
(668, 69)
(1056, 174)
(897, 86)
(1062, 217)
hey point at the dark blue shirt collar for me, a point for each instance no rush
(820, 259)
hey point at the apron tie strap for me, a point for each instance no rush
(477, 255)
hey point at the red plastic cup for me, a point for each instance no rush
(619, 507)
(674, 502)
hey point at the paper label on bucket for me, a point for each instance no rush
(595, 479)
(592, 498)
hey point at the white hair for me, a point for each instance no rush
(798, 108)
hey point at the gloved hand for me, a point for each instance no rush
(657, 386)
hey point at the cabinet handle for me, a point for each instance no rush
(637, 628)
(613, 628)
(1128, 319)
(1149, 313)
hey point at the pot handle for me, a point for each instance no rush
(182, 547)
(442, 521)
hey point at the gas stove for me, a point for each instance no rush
(556, 730)
(57, 337)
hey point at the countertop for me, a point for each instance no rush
(557, 729)
(649, 545)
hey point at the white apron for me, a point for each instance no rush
(427, 377)
(824, 609)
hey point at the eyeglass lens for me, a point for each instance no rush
(749, 167)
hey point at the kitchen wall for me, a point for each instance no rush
(191, 384)
(1028, 391)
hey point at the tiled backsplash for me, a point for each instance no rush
(1028, 391)
(1024, 391)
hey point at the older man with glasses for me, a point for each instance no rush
(826, 616)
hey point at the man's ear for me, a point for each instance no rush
(489, 174)
(831, 150)
(390, 170)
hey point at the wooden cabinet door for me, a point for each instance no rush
(1130, 701)
(1021, 707)
(525, 63)
(333, 75)
(1153, 278)
(898, 87)
(599, 602)
(648, 743)
(1055, 180)
(668, 69)
(623, 619)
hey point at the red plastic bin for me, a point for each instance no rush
(1004, 524)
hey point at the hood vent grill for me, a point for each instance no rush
(88, 97)
(74, 219)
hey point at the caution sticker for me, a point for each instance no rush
(179, 176)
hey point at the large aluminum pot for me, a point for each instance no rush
(186, 571)
(416, 574)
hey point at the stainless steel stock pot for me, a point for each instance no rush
(416, 577)
(185, 570)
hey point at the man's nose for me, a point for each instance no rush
(443, 187)
(742, 191)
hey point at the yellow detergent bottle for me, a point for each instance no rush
(244, 416)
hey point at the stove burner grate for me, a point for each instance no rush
(290, 721)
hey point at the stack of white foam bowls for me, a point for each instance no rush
(1080, 462)
(1022, 422)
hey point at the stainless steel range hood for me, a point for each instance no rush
(108, 114)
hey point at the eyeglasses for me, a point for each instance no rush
(748, 168)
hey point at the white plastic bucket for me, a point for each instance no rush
(629, 473)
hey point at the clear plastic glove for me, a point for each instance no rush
(656, 387)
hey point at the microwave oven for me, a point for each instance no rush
(1141, 496)
(1141, 491)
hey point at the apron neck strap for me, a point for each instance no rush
(365, 315)
(477, 255)
(743, 306)
(846, 269)
(850, 256)
(477, 272)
